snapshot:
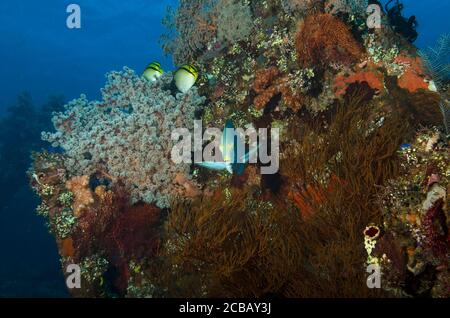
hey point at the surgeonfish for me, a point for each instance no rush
(186, 77)
(229, 150)
(153, 71)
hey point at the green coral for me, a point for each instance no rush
(43, 209)
(47, 190)
(66, 199)
(64, 223)
(378, 52)
(145, 289)
(93, 268)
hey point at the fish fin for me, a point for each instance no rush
(213, 165)
(245, 158)
(227, 145)
(239, 168)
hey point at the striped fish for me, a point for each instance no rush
(153, 71)
(185, 77)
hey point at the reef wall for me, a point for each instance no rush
(364, 165)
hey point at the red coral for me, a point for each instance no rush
(412, 82)
(436, 232)
(95, 222)
(307, 199)
(133, 233)
(414, 77)
(373, 78)
(121, 231)
(310, 196)
(324, 39)
(272, 82)
(133, 236)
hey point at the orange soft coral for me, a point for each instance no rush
(374, 78)
(414, 77)
(187, 187)
(306, 199)
(66, 247)
(324, 39)
(271, 82)
(83, 196)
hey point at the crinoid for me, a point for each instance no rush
(404, 26)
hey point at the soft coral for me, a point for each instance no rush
(324, 39)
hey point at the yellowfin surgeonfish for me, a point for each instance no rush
(186, 77)
(153, 71)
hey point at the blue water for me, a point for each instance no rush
(39, 54)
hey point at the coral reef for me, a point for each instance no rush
(234, 21)
(416, 218)
(270, 83)
(324, 39)
(190, 28)
(336, 182)
(234, 246)
(349, 7)
(296, 7)
(436, 62)
(364, 165)
(127, 135)
(79, 187)
(101, 230)
(368, 74)
(204, 25)
(413, 78)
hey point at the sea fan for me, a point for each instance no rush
(437, 60)
(445, 109)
